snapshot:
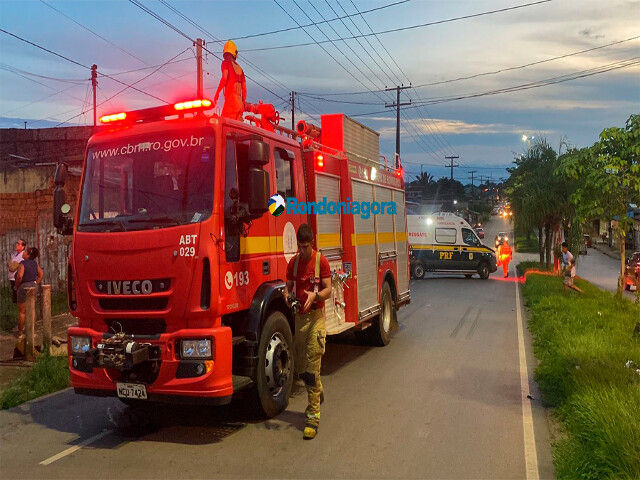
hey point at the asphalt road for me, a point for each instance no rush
(602, 271)
(445, 399)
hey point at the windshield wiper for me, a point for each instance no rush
(96, 223)
(165, 219)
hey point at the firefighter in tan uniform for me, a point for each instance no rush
(233, 82)
(309, 280)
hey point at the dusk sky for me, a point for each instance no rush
(509, 45)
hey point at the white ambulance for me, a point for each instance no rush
(445, 243)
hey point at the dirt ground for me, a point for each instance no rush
(10, 367)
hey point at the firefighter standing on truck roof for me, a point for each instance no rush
(233, 82)
(505, 255)
(309, 278)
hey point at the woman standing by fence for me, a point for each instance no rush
(29, 275)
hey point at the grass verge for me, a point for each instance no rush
(526, 246)
(49, 374)
(9, 310)
(583, 342)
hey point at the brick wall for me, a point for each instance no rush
(26, 193)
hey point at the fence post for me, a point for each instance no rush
(30, 325)
(46, 318)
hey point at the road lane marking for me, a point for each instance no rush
(530, 453)
(460, 323)
(75, 448)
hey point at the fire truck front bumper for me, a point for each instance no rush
(186, 366)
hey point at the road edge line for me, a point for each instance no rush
(530, 452)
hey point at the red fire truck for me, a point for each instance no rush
(177, 267)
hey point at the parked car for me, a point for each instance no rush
(632, 271)
(480, 232)
(501, 237)
(587, 241)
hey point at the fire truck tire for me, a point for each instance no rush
(383, 323)
(274, 376)
(418, 270)
(483, 270)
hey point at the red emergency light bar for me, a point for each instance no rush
(157, 113)
(320, 161)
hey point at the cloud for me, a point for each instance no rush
(587, 33)
(445, 127)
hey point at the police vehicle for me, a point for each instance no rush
(445, 243)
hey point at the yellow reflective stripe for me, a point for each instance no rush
(329, 240)
(257, 245)
(363, 239)
(401, 236)
(385, 237)
(450, 247)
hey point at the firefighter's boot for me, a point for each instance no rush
(310, 430)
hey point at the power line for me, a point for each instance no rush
(74, 62)
(317, 23)
(206, 32)
(400, 29)
(502, 70)
(128, 87)
(100, 36)
(527, 86)
(400, 82)
(359, 43)
(10, 68)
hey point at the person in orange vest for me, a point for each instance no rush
(505, 255)
(233, 82)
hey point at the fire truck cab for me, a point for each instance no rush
(177, 267)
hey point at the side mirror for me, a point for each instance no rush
(258, 153)
(61, 175)
(61, 209)
(258, 192)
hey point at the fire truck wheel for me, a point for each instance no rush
(418, 270)
(382, 324)
(483, 270)
(275, 365)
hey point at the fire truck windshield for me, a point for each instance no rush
(156, 181)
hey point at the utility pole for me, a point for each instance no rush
(199, 43)
(451, 158)
(397, 106)
(293, 110)
(472, 172)
(94, 84)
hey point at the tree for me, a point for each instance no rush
(608, 178)
(539, 199)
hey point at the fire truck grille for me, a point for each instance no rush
(136, 326)
(137, 303)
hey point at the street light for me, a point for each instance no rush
(528, 140)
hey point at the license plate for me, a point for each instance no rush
(131, 390)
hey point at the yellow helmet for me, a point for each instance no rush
(231, 48)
